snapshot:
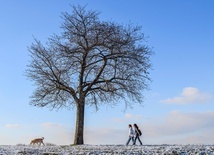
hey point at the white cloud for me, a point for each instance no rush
(128, 118)
(199, 138)
(103, 136)
(57, 133)
(189, 95)
(13, 126)
(51, 125)
(180, 128)
(128, 115)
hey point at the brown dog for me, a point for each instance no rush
(37, 141)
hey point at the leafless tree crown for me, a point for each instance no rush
(93, 60)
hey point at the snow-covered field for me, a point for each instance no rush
(108, 150)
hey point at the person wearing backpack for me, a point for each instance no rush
(131, 134)
(137, 134)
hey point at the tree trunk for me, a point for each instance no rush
(78, 139)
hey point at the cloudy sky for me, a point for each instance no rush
(179, 106)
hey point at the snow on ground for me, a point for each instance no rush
(107, 150)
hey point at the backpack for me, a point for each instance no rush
(139, 132)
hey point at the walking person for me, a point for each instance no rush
(137, 134)
(131, 134)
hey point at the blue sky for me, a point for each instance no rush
(178, 107)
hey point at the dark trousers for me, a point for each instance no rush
(137, 137)
(130, 138)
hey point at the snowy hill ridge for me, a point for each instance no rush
(108, 150)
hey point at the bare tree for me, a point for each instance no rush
(91, 62)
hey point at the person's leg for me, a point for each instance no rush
(132, 140)
(139, 140)
(135, 140)
(128, 141)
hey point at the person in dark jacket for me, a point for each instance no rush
(137, 134)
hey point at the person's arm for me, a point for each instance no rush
(133, 132)
(130, 132)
